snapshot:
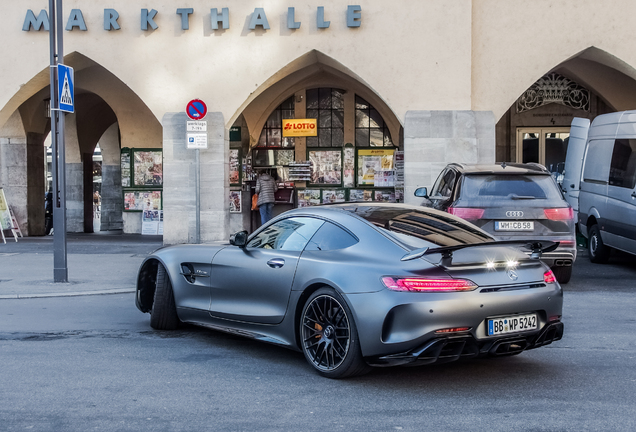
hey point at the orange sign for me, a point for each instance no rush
(300, 127)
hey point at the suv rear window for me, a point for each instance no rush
(493, 187)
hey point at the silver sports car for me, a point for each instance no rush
(362, 284)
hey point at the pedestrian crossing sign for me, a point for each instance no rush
(66, 88)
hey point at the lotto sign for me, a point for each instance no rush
(196, 109)
(300, 127)
(66, 89)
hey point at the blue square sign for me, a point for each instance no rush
(66, 88)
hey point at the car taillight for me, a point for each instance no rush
(559, 213)
(548, 277)
(566, 243)
(466, 213)
(428, 285)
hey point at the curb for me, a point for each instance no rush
(67, 294)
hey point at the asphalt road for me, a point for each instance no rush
(93, 363)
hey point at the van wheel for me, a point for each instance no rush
(562, 274)
(599, 253)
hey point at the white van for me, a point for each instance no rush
(607, 195)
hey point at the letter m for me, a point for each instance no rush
(37, 23)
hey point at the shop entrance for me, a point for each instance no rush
(546, 146)
(354, 154)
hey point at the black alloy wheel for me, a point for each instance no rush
(598, 252)
(329, 337)
(163, 315)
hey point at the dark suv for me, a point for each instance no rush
(511, 202)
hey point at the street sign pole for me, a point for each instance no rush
(60, 265)
(196, 109)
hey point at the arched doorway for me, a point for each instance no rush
(352, 156)
(536, 127)
(106, 112)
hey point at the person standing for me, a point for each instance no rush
(265, 188)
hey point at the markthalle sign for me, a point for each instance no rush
(218, 19)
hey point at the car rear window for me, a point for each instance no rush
(421, 228)
(494, 187)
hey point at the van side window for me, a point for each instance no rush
(597, 160)
(623, 166)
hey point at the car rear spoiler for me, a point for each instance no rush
(536, 247)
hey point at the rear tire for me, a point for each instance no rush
(163, 315)
(562, 274)
(329, 336)
(599, 253)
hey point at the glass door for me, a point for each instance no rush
(546, 146)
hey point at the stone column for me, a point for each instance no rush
(74, 177)
(433, 139)
(112, 199)
(14, 174)
(179, 199)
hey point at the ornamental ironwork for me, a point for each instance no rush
(554, 88)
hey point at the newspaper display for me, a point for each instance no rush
(333, 196)
(308, 197)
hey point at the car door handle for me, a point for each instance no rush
(633, 194)
(276, 263)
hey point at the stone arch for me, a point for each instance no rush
(610, 81)
(313, 69)
(102, 102)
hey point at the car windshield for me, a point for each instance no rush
(421, 228)
(506, 187)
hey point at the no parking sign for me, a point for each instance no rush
(196, 109)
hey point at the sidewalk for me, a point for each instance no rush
(101, 263)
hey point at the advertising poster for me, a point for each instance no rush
(308, 197)
(5, 214)
(326, 167)
(333, 196)
(142, 200)
(148, 168)
(371, 162)
(234, 166)
(349, 166)
(235, 201)
(125, 169)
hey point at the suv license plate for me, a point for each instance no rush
(513, 226)
(512, 324)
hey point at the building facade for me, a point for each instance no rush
(396, 90)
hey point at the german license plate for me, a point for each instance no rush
(512, 324)
(514, 226)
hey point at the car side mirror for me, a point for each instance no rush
(421, 192)
(239, 239)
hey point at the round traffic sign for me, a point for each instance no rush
(196, 109)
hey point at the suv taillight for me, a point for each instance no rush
(548, 277)
(559, 213)
(466, 213)
(428, 285)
